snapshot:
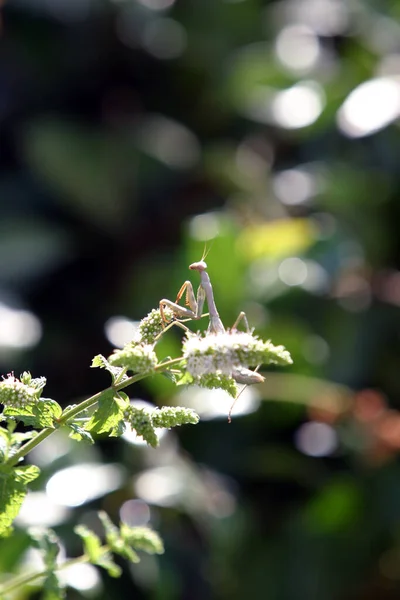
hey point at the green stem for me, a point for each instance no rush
(22, 580)
(88, 403)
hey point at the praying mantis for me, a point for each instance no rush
(194, 308)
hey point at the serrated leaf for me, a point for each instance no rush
(116, 372)
(40, 414)
(109, 414)
(117, 544)
(91, 542)
(142, 538)
(26, 473)
(12, 493)
(107, 563)
(77, 432)
(111, 531)
(96, 552)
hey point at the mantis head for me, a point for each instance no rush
(198, 266)
(201, 265)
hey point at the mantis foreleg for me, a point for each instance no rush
(195, 304)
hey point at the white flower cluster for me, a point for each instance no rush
(223, 352)
(17, 394)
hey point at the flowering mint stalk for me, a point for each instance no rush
(139, 358)
(15, 393)
(223, 353)
(144, 422)
(153, 325)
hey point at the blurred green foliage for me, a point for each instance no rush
(135, 133)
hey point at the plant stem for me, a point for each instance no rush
(21, 580)
(85, 404)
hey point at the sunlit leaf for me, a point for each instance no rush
(109, 416)
(13, 482)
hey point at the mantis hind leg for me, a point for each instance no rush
(241, 317)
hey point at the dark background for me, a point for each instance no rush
(120, 123)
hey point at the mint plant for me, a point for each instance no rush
(212, 360)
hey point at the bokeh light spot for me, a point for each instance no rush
(18, 328)
(370, 107)
(164, 38)
(292, 271)
(135, 513)
(120, 330)
(78, 484)
(294, 186)
(325, 17)
(157, 4)
(204, 227)
(84, 578)
(161, 486)
(315, 349)
(39, 509)
(168, 141)
(316, 439)
(212, 404)
(297, 47)
(298, 106)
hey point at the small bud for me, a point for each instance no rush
(152, 325)
(16, 394)
(137, 358)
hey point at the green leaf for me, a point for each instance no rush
(116, 541)
(107, 563)
(52, 588)
(97, 554)
(77, 432)
(186, 379)
(12, 492)
(142, 538)
(169, 375)
(26, 473)
(91, 543)
(109, 415)
(11, 441)
(4, 443)
(117, 373)
(39, 414)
